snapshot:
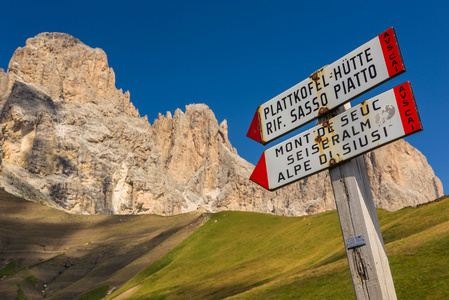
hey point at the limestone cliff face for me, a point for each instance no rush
(71, 140)
(406, 173)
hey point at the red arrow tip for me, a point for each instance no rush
(253, 131)
(259, 174)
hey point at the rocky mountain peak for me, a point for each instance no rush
(67, 71)
(62, 148)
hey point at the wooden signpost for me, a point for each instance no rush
(336, 143)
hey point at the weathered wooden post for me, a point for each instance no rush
(337, 142)
(365, 250)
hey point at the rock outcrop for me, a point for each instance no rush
(400, 169)
(71, 140)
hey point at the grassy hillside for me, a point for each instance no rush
(44, 251)
(246, 255)
(234, 255)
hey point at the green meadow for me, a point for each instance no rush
(227, 255)
(239, 255)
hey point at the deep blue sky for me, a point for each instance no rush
(235, 55)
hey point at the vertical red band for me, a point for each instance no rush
(407, 108)
(260, 173)
(254, 129)
(392, 54)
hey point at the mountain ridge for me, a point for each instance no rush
(70, 139)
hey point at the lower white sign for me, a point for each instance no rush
(369, 125)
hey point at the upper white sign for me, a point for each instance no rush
(352, 75)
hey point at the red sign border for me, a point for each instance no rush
(392, 54)
(405, 99)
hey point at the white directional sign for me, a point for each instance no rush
(357, 72)
(369, 125)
